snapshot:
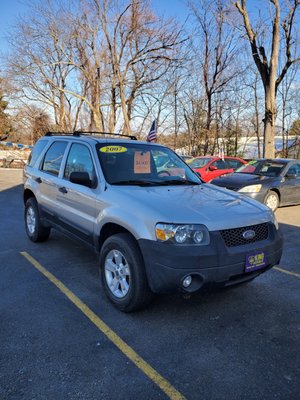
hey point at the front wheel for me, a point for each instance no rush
(35, 230)
(272, 200)
(123, 273)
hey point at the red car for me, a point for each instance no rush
(211, 167)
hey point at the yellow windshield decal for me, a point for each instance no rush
(113, 149)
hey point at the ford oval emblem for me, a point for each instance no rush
(248, 235)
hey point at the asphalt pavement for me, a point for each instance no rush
(60, 338)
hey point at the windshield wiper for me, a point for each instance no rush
(136, 182)
(156, 183)
(179, 182)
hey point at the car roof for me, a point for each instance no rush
(277, 160)
(217, 157)
(98, 138)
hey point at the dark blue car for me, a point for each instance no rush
(274, 182)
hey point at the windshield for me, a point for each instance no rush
(262, 167)
(199, 162)
(143, 165)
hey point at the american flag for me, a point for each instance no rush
(152, 133)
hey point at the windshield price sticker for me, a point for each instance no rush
(255, 261)
(113, 149)
(142, 162)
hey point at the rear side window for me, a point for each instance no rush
(234, 163)
(53, 158)
(36, 151)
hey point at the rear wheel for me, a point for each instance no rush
(123, 273)
(272, 200)
(35, 230)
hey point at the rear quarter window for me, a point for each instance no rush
(36, 151)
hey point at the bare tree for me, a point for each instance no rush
(38, 65)
(141, 49)
(286, 93)
(195, 118)
(95, 56)
(216, 51)
(255, 117)
(268, 67)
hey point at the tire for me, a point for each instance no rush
(272, 200)
(35, 230)
(123, 273)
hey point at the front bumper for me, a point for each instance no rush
(168, 264)
(260, 196)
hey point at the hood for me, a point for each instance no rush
(206, 204)
(236, 180)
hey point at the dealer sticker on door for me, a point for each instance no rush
(255, 261)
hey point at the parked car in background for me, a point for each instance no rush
(186, 158)
(274, 182)
(210, 167)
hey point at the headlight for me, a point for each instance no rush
(250, 189)
(182, 234)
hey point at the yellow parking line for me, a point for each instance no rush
(159, 380)
(287, 272)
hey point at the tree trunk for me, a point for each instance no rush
(269, 122)
(208, 122)
(257, 130)
(96, 121)
(126, 126)
(113, 111)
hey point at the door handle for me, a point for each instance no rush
(38, 180)
(63, 189)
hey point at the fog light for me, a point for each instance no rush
(187, 281)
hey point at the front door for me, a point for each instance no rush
(290, 191)
(78, 202)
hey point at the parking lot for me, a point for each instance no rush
(60, 338)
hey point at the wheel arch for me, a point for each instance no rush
(109, 229)
(277, 191)
(27, 195)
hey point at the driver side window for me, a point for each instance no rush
(219, 164)
(294, 170)
(79, 160)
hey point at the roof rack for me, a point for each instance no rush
(93, 133)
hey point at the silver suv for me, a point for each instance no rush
(156, 226)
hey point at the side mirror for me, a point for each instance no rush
(291, 176)
(213, 168)
(81, 178)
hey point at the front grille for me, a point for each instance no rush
(234, 237)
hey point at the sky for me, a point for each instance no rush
(10, 10)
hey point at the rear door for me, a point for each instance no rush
(48, 180)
